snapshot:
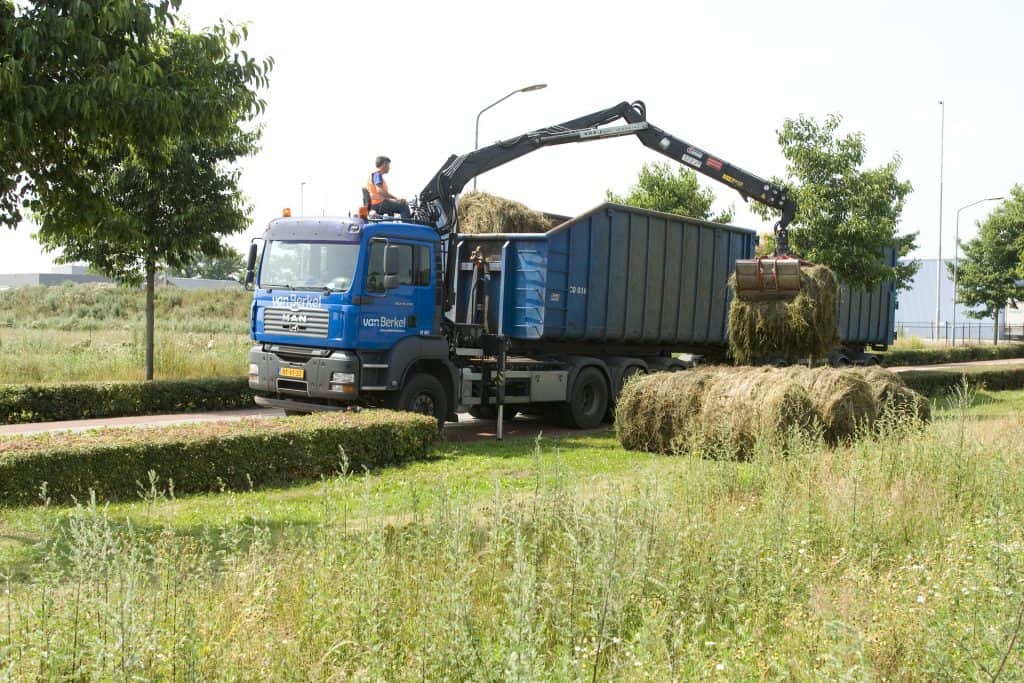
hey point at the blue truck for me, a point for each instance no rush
(414, 315)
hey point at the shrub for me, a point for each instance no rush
(939, 382)
(206, 457)
(54, 402)
(950, 354)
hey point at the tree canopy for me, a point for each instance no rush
(158, 187)
(659, 187)
(992, 262)
(847, 214)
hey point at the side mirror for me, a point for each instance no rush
(390, 281)
(250, 268)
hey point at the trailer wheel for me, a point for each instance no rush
(422, 394)
(588, 402)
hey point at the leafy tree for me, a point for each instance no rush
(660, 188)
(992, 262)
(227, 265)
(73, 72)
(846, 213)
(129, 209)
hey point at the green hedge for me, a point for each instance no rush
(203, 457)
(940, 382)
(54, 402)
(950, 354)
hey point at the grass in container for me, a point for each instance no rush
(805, 327)
(482, 213)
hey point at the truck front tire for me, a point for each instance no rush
(423, 394)
(588, 402)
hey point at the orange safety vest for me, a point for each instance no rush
(376, 196)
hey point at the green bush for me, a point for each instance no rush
(939, 382)
(950, 354)
(54, 402)
(236, 455)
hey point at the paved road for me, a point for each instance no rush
(467, 429)
(958, 366)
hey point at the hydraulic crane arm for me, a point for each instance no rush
(437, 200)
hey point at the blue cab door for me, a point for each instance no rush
(388, 315)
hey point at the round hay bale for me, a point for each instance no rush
(715, 411)
(655, 412)
(841, 397)
(480, 212)
(893, 396)
(805, 327)
(743, 405)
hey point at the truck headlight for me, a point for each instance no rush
(343, 378)
(254, 372)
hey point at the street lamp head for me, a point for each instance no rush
(531, 88)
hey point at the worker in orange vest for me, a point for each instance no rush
(381, 200)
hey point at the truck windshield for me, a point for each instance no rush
(308, 265)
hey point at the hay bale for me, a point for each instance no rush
(720, 412)
(894, 397)
(742, 405)
(842, 399)
(805, 327)
(480, 212)
(655, 412)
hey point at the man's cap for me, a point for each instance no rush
(381, 160)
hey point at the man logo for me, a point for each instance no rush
(295, 321)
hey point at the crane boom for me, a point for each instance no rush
(437, 204)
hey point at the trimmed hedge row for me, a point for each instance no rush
(950, 354)
(54, 402)
(940, 382)
(205, 457)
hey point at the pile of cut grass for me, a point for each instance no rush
(482, 213)
(722, 412)
(805, 327)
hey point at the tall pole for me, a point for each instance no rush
(956, 255)
(476, 135)
(302, 198)
(938, 270)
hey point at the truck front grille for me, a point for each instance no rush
(304, 322)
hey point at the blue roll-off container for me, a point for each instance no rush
(614, 276)
(619, 277)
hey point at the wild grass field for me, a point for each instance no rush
(900, 557)
(77, 333)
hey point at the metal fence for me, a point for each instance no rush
(961, 333)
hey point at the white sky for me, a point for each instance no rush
(406, 79)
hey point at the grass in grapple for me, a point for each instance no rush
(205, 457)
(804, 327)
(723, 412)
(57, 402)
(480, 212)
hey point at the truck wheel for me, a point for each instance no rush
(423, 394)
(588, 402)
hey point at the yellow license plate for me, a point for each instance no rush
(297, 373)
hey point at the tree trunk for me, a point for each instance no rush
(150, 315)
(995, 329)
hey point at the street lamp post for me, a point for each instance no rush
(956, 253)
(476, 137)
(938, 270)
(302, 198)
